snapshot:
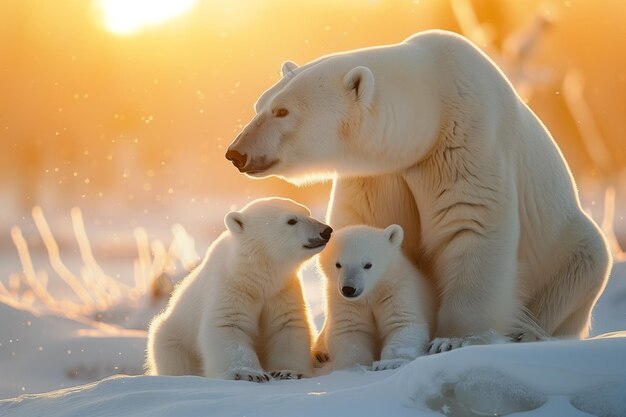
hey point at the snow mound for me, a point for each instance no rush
(560, 378)
(605, 400)
(486, 392)
(503, 379)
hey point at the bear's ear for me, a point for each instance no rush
(395, 234)
(234, 221)
(361, 81)
(288, 68)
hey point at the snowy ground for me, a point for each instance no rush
(40, 353)
(567, 378)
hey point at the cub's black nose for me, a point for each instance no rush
(326, 233)
(238, 160)
(348, 291)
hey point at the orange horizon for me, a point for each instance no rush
(90, 115)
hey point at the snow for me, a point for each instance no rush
(44, 358)
(534, 379)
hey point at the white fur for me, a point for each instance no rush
(386, 322)
(445, 148)
(241, 314)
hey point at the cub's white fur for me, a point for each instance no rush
(241, 314)
(378, 306)
(430, 135)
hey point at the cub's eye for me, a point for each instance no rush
(282, 112)
(291, 222)
(367, 265)
(338, 265)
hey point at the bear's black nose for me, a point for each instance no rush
(326, 233)
(238, 160)
(348, 291)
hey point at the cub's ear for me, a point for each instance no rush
(235, 221)
(395, 234)
(361, 81)
(288, 68)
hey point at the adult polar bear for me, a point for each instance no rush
(429, 134)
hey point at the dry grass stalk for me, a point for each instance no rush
(105, 287)
(55, 258)
(95, 289)
(38, 286)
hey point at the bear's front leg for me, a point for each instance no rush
(350, 334)
(402, 322)
(470, 231)
(287, 341)
(401, 346)
(476, 270)
(226, 344)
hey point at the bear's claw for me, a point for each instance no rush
(445, 344)
(249, 374)
(523, 337)
(321, 357)
(280, 375)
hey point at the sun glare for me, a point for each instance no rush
(126, 17)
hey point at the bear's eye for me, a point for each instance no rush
(367, 265)
(291, 222)
(338, 265)
(282, 112)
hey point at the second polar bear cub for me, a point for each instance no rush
(241, 314)
(378, 304)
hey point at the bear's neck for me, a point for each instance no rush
(260, 271)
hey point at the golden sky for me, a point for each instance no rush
(137, 99)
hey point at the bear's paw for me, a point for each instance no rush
(386, 364)
(248, 374)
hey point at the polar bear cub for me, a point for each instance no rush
(241, 314)
(378, 308)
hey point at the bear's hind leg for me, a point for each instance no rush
(563, 308)
(578, 323)
(168, 356)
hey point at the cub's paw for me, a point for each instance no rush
(445, 344)
(385, 364)
(321, 357)
(285, 374)
(248, 374)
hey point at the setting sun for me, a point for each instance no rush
(125, 17)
